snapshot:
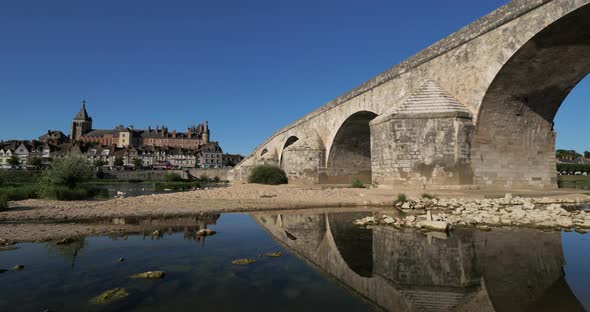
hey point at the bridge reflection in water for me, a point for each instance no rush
(502, 270)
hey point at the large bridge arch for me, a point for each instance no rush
(349, 154)
(514, 141)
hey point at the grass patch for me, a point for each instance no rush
(176, 186)
(21, 192)
(401, 198)
(64, 193)
(356, 183)
(268, 174)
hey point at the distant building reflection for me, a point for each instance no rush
(502, 270)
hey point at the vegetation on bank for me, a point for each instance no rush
(268, 174)
(573, 168)
(356, 183)
(574, 181)
(63, 181)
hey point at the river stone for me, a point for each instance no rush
(243, 261)
(65, 241)
(435, 225)
(110, 296)
(205, 232)
(18, 267)
(150, 275)
(274, 254)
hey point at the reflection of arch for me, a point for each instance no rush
(350, 153)
(354, 243)
(524, 98)
(502, 270)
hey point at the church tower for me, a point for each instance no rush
(81, 124)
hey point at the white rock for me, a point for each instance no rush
(411, 218)
(435, 225)
(406, 205)
(389, 220)
(528, 205)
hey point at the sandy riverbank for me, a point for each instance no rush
(18, 223)
(239, 198)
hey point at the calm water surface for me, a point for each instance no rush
(327, 264)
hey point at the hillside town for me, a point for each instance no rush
(120, 148)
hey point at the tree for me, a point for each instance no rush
(13, 160)
(69, 171)
(587, 154)
(98, 163)
(138, 163)
(36, 162)
(119, 161)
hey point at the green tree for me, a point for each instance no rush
(69, 171)
(119, 161)
(36, 162)
(587, 154)
(137, 163)
(98, 163)
(13, 160)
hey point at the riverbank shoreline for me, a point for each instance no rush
(35, 220)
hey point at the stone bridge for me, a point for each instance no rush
(502, 270)
(475, 109)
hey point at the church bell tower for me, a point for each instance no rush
(81, 124)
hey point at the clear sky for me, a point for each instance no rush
(248, 67)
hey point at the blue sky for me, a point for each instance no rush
(248, 67)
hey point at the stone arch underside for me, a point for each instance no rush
(350, 154)
(514, 141)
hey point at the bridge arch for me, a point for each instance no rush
(290, 141)
(349, 155)
(514, 141)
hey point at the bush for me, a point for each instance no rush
(401, 198)
(3, 201)
(356, 183)
(172, 177)
(216, 179)
(268, 174)
(69, 171)
(204, 178)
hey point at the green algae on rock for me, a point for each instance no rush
(243, 261)
(274, 254)
(150, 275)
(110, 296)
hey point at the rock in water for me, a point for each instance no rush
(150, 275)
(205, 232)
(156, 233)
(18, 267)
(435, 225)
(110, 296)
(65, 241)
(120, 259)
(274, 254)
(243, 261)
